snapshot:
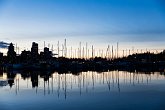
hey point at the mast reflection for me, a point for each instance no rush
(48, 82)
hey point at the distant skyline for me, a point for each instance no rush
(94, 21)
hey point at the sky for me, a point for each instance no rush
(98, 22)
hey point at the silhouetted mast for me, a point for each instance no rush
(83, 53)
(75, 53)
(62, 50)
(102, 53)
(16, 47)
(78, 53)
(52, 49)
(117, 49)
(18, 50)
(58, 49)
(80, 50)
(112, 52)
(123, 53)
(65, 48)
(65, 86)
(48, 45)
(115, 54)
(71, 53)
(92, 51)
(86, 50)
(107, 53)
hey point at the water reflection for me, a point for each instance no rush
(47, 83)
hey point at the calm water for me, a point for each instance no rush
(86, 91)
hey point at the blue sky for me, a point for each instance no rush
(96, 21)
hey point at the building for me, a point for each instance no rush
(34, 49)
(47, 53)
(34, 52)
(1, 58)
(11, 54)
(1, 55)
(25, 56)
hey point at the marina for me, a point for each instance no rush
(82, 55)
(45, 60)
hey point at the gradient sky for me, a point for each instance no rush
(94, 21)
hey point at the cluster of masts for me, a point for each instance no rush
(89, 51)
(85, 52)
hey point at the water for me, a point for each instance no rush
(115, 90)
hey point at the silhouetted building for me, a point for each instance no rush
(163, 51)
(11, 54)
(25, 56)
(1, 57)
(47, 53)
(1, 72)
(34, 52)
(42, 55)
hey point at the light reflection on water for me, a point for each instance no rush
(87, 90)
